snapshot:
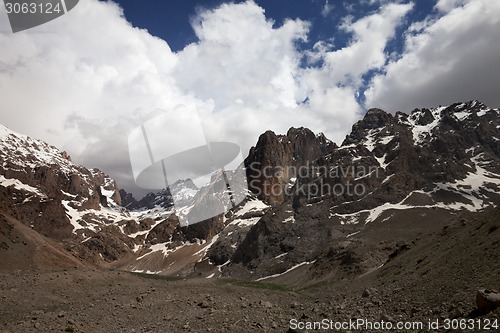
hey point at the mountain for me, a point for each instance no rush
(314, 211)
(80, 212)
(349, 210)
(43, 189)
(40, 185)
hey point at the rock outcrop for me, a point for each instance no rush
(274, 163)
(38, 181)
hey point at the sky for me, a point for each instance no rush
(86, 80)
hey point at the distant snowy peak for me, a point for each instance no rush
(181, 193)
(5, 132)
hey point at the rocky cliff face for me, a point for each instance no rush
(273, 164)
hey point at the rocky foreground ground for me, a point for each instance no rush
(114, 301)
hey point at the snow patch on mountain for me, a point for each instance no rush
(17, 147)
(422, 132)
(18, 185)
(244, 216)
(163, 248)
(370, 140)
(254, 205)
(287, 271)
(462, 115)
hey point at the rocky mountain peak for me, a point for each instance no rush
(326, 144)
(424, 117)
(271, 162)
(300, 131)
(127, 199)
(372, 120)
(305, 145)
(376, 118)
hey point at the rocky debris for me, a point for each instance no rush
(80, 300)
(23, 248)
(266, 304)
(369, 292)
(399, 248)
(487, 300)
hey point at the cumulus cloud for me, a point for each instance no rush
(241, 59)
(85, 80)
(366, 50)
(451, 58)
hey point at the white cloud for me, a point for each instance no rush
(85, 80)
(366, 50)
(90, 63)
(241, 57)
(251, 71)
(449, 59)
(448, 5)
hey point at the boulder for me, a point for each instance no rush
(487, 300)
